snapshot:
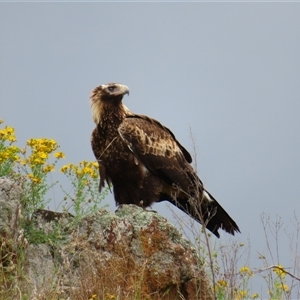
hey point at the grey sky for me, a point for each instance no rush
(228, 71)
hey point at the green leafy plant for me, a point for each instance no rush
(85, 196)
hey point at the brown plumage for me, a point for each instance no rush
(145, 163)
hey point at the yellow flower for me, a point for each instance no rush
(2, 133)
(94, 175)
(255, 296)
(1, 121)
(59, 155)
(78, 172)
(10, 153)
(65, 168)
(14, 149)
(285, 287)
(48, 168)
(17, 158)
(95, 164)
(12, 138)
(52, 142)
(241, 295)
(222, 283)
(279, 271)
(23, 162)
(40, 148)
(30, 142)
(42, 145)
(86, 170)
(246, 271)
(8, 133)
(83, 169)
(282, 286)
(34, 179)
(5, 154)
(43, 155)
(9, 130)
(37, 161)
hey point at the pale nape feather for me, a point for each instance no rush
(96, 110)
(96, 105)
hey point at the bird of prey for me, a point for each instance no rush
(145, 163)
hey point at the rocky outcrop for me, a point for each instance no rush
(10, 195)
(132, 254)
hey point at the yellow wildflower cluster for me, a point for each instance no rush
(34, 179)
(48, 168)
(42, 145)
(279, 271)
(7, 134)
(283, 286)
(246, 271)
(242, 294)
(9, 153)
(222, 283)
(220, 286)
(40, 150)
(83, 168)
(37, 160)
(59, 155)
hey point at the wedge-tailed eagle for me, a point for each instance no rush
(145, 163)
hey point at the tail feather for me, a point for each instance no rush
(208, 212)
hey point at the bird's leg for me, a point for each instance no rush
(141, 204)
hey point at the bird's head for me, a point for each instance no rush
(109, 92)
(106, 94)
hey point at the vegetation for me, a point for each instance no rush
(228, 267)
(30, 167)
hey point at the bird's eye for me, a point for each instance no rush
(111, 88)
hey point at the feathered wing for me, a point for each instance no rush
(98, 150)
(159, 151)
(156, 147)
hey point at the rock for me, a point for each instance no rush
(10, 195)
(132, 254)
(41, 266)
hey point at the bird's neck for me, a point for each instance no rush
(110, 116)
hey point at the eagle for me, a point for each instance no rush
(145, 163)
